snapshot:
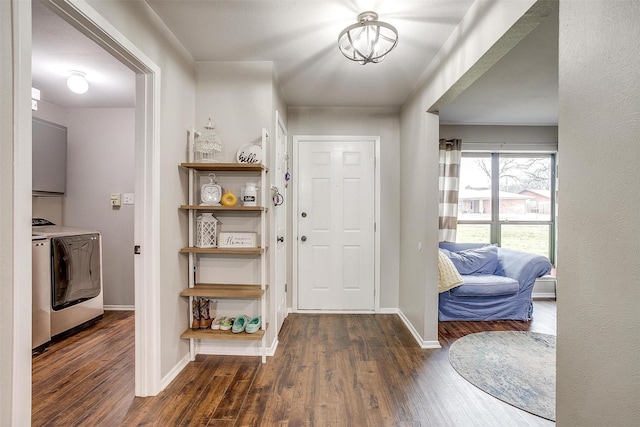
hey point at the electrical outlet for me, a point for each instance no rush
(128, 199)
(115, 199)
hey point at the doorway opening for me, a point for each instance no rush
(146, 224)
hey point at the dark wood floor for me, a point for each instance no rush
(329, 370)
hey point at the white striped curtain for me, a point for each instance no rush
(449, 178)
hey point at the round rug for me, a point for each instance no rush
(518, 368)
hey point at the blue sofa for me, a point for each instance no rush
(498, 282)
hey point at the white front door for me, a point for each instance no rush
(336, 221)
(280, 213)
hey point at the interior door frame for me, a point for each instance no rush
(297, 139)
(280, 131)
(148, 375)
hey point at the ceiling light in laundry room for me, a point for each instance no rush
(77, 83)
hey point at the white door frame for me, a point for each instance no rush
(280, 132)
(297, 139)
(146, 210)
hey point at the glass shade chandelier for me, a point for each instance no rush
(369, 40)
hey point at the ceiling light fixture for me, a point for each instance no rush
(369, 40)
(77, 83)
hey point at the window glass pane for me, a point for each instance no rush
(474, 233)
(474, 196)
(527, 238)
(525, 188)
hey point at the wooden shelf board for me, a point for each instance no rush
(235, 209)
(221, 251)
(226, 167)
(223, 290)
(210, 334)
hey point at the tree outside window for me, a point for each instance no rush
(508, 199)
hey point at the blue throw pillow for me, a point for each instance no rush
(482, 260)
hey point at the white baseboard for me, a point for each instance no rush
(234, 349)
(175, 371)
(119, 307)
(422, 343)
(544, 287)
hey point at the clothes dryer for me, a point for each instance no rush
(76, 276)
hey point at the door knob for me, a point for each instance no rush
(280, 239)
(304, 214)
(303, 238)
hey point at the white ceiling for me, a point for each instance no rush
(300, 38)
(58, 48)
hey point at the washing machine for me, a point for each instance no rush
(75, 276)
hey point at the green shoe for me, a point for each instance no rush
(225, 323)
(239, 324)
(253, 326)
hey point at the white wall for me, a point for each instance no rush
(237, 96)
(139, 24)
(520, 138)
(383, 122)
(481, 29)
(598, 294)
(100, 161)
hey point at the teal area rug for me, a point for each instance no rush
(518, 368)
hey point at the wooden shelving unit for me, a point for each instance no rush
(222, 251)
(209, 334)
(222, 290)
(225, 167)
(236, 209)
(226, 291)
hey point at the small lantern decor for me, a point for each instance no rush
(208, 145)
(206, 225)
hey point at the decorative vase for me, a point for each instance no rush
(249, 194)
(229, 199)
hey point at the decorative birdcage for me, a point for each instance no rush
(206, 231)
(208, 146)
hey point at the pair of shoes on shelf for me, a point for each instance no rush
(215, 325)
(201, 313)
(246, 324)
(226, 323)
(240, 324)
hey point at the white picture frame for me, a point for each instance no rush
(237, 239)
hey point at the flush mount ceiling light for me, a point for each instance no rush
(77, 83)
(369, 40)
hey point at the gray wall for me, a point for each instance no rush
(241, 99)
(383, 122)
(598, 294)
(138, 23)
(483, 26)
(100, 161)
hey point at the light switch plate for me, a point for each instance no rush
(115, 199)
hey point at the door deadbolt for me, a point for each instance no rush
(303, 238)
(304, 214)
